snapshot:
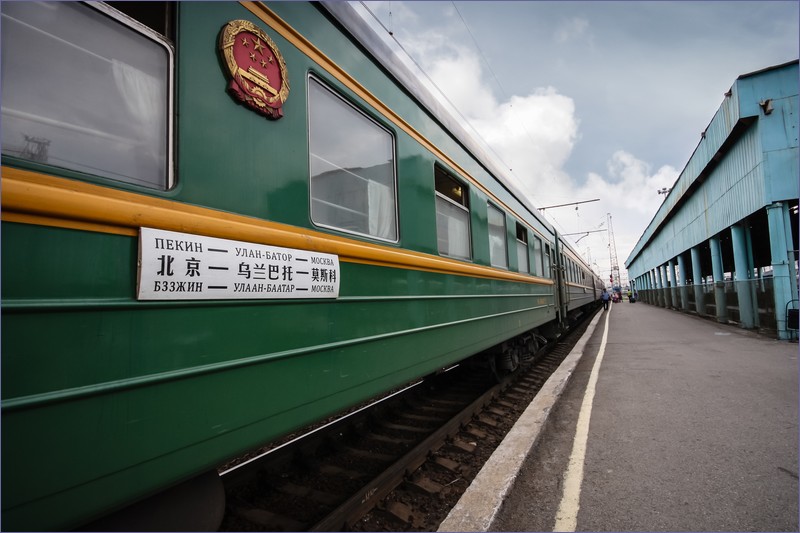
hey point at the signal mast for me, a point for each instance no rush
(612, 252)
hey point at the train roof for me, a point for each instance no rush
(354, 18)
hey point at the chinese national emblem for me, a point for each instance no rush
(258, 73)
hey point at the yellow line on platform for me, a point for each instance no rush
(567, 515)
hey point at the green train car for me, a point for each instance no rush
(224, 221)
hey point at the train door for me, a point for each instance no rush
(560, 278)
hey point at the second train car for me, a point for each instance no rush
(224, 221)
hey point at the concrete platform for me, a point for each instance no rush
(693, 427)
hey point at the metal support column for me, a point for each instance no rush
(754, 275)
(659, 288)
(743, 277)
(673, 286)
(719, 279)
(682, 288)
(645, 293)
(652, 298)
(697, 282)
(784, 278)
(654, 273)
(667, 302)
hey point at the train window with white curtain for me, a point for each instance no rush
(352, 167)
(452, 216)
(87, 89)
(522, 248)
(537, 257)
(498, 244)
(546, 270)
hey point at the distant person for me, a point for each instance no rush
(606, 297)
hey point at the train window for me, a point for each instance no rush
(537, 257)
(89, 89)
(498, 243)
(352, 167)
(546, 270)
(522, 248)
(452, 216)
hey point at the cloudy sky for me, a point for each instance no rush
(586, 100)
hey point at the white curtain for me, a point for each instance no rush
(452, 226)
(458, 235)
(381, 210)
(143, 95)
(522, 255)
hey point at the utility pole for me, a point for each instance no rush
(612, 252)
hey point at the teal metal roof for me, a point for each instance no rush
(747, 159)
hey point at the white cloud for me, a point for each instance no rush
(629, 191)
(594, 83)
(458, 76)
(571, 29)
(534, 135)
(633, 180)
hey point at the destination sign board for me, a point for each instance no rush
(182, 266)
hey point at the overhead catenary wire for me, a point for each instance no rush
(503, 92)
(442, 94)
(392, 35)
(430, 80)
(504, 95)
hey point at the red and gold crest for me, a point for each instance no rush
(258, 73)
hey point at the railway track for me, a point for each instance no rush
(398, 465)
